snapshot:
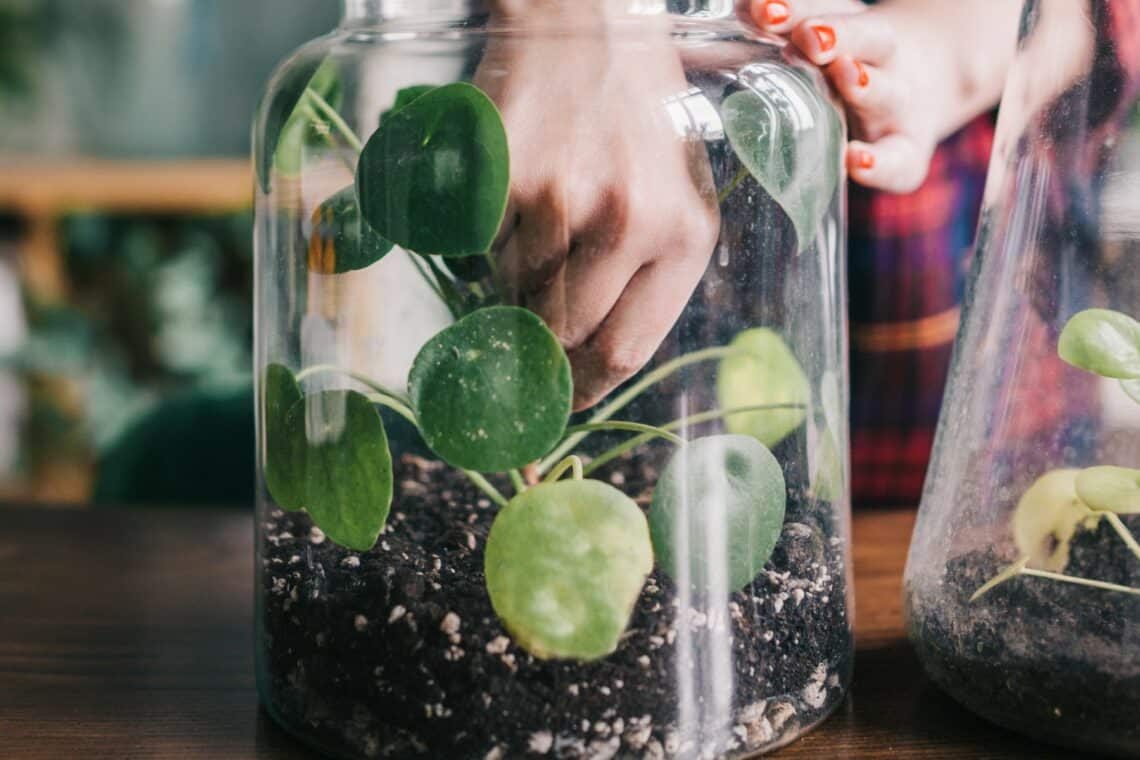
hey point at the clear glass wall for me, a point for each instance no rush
(552, 388)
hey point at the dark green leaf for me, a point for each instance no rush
(289, 125)
(789, 140)
(764, 373)
(406, 96)
(1110, 489)
(340, 446)
(1106, 343)
(434, 178)
(565, 563)
(717, 513)
(284, 481)
(341, 241)
(492, 391)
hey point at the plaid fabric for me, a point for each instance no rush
(907, 267)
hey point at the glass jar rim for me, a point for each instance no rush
(357, 11)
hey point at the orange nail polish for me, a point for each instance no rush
(826, 37)
(864, 159)
(864, 79)
(776, 12)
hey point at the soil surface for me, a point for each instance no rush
(397, 652)
(1055, 661)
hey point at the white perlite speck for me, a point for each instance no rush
(644, 661)
(360, 623)
(498, 645)
(397, 612)
(540, 742)
(496, 753)
(316, 535)
(450, 623)
(351, 561)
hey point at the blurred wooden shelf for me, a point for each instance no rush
(42, 190)
(55, 186)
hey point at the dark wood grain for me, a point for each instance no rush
(128, 634)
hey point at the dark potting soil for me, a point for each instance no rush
(1055, 661)
(397, 651)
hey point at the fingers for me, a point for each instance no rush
(872, 97)
(537, 246)
(630, 334)
(865, 37)
(896, 163)
(781, 16)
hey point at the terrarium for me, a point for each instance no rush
(551, 384)
(1023, 581)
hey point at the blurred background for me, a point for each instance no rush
(125, 244)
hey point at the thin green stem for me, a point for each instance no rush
(485, 486)
(648, 380)
(364, 380)
(694, 419)
(308, 111)
(396, 406)
(335, 119)
(571, 462)
(1122, 530)
(449, 294)
(430, 280)
(634, 427)
(1104, 585)
(517, 481)
(732, 185)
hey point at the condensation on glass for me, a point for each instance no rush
(1023, 581)
(552, 386)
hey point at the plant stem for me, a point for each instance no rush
(431, 282)
(694, 419)
(485, 486)
(734, 183)
(317, 369)
(517, 481)
(635, 427)
(571, 462)
(1122, 530)
(396, 406)
(448, 292)
(335, 118)
(1081, 581)
(635, 390)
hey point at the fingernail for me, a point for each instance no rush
(776, 12)
(826, 37)
(864, 159)
(864, 79)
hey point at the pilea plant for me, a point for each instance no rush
(1063, 502)
(567, 556)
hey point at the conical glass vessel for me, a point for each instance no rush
(1023, 582)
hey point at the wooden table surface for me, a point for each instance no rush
(128, 634)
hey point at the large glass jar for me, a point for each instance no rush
(1023, 582)
(552, 385)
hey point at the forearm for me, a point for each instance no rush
(970, 45)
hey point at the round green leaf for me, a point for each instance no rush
(764, 373)
(1110, 489)
(434, 178)
(290, 118)
(341, 241)
(1104, 342)
(788, 138)
(717, 512)
(492, 391)
(1047, 518)
(340, 449)
(565, 564)
(285, 483)
(406, 96)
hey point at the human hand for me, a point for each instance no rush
(612, 215)
(910, 72)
